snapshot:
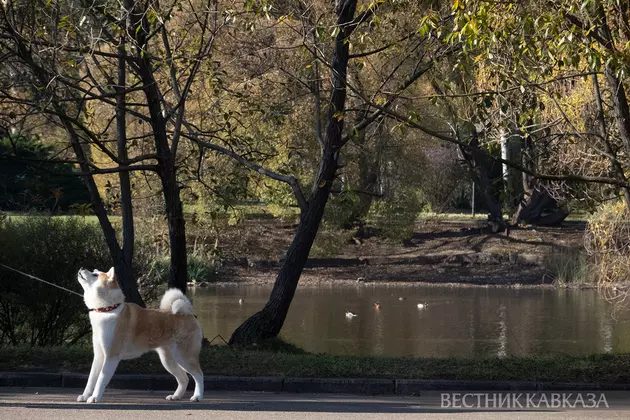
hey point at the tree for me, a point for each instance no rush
(57, 69)
(533, 51)
(518, 75)
(268, 322)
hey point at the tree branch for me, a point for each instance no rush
(383, 48)
(289, 179)
(550, 177)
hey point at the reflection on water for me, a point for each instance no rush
(468, 322)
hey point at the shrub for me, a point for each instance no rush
(608, 243)
(395, 217)
(340, 210)
(52, 248)
(151, 257)
(23, 186)
(330, 242)
(156, 271)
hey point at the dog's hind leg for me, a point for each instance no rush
(109, 367)
(191, 365)
(166, 357)
(97, 366)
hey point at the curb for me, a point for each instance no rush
(300, 385)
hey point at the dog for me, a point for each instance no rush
(123, 330)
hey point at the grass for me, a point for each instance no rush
(578, 216)
(264, 211)
(570, 266)
(221, 360)
(23, 216)
(452, 216)
(463, 216)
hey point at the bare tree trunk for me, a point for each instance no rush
(128, 231)
(603, 132)
(268, 322)
(166, 167)
(176, 228)
(123, 271)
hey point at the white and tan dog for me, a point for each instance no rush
(122, 330)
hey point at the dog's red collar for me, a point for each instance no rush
(106, 309)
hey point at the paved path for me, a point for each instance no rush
(56, 403)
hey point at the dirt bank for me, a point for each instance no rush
(443, 252)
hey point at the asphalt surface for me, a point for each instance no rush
(56, 403)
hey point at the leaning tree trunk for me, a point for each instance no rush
(539, 208)
(268, 322)
(123, 270)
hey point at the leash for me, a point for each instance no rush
(42, 280)
(218, 336)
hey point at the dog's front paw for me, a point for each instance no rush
(196, 398)
(173, 398)
(92, 399)
(82, 398)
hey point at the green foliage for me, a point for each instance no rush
(83, 209)
(52, 248)
(200, 269)
(27, 183)
(340, 210)
(396, 216)
(531, 38)
(330, 242)
(284, 213)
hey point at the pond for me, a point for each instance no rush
(461, 322)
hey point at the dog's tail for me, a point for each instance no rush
(176, 302)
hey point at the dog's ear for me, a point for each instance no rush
(111, 275)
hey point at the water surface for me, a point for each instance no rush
(464, 322)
